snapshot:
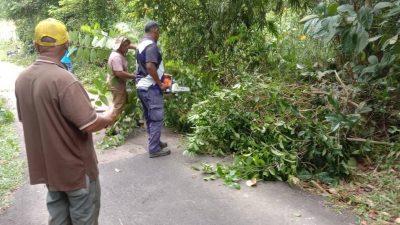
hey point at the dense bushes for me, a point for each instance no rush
(264, 125)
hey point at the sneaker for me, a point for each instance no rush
(162, 152)
(163, 144)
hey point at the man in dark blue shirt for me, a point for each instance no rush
(150, 72)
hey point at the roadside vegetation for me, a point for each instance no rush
(300, 91)
(11, 166)
(12, 51)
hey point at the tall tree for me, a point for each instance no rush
(196, 27)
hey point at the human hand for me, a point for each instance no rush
(163, 86)
(110, 116)
(132, 46)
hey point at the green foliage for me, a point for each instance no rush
(217, 35)
(269, 136)
(368, 53)
(6, 116)
(178, 106)
(25, 14)
(77, 12)
(11, 169)
(230, 176)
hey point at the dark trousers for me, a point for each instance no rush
(153, 111)
(79, 207)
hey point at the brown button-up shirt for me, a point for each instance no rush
(54, 108)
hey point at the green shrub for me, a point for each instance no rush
(260, 123)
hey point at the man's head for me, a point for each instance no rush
(51, 38)
(152, 30)
(122, 45)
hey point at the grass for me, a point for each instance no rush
(11, 166)
(20, 58)
(374, 196)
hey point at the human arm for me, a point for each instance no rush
(153, 58)
(152, 70)
(101, 122)
(76, 107)
(124, 75)
(132, 46)
(118, 70)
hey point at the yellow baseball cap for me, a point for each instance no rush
(51, 28)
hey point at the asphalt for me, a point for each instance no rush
(161, 191)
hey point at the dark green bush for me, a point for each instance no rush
(260, 123)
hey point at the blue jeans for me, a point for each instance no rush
(153, 111)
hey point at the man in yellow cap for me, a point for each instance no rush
(58, 120)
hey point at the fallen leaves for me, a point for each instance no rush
(252, 182)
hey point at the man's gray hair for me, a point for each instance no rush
(150, 25)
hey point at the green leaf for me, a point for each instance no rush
(93, 55)
(332, 9)
(98, 84)
(394, 39)
(93, 91)
(390, 41)
(272, 171)
(382, 5)
(365, 17)
(103, 99)
(355, 39)
(374, 38)
(373, 60)
(307, 18)
(220, 171)
(87, 41)
(277, 153)
(234, 185)
(347, 10)
(362, 41)
(334, 102)
(370, 69)
(86, 28)
(312, 26)
(352, 163)
(330, 26)
(393, 12)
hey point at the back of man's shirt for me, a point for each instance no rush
(54, 108)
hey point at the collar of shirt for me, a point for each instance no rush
(44, 59)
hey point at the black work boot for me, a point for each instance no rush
(163, 152)
(163, 144)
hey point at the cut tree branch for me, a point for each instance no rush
(371, 141)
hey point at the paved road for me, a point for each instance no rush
(166, 191)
